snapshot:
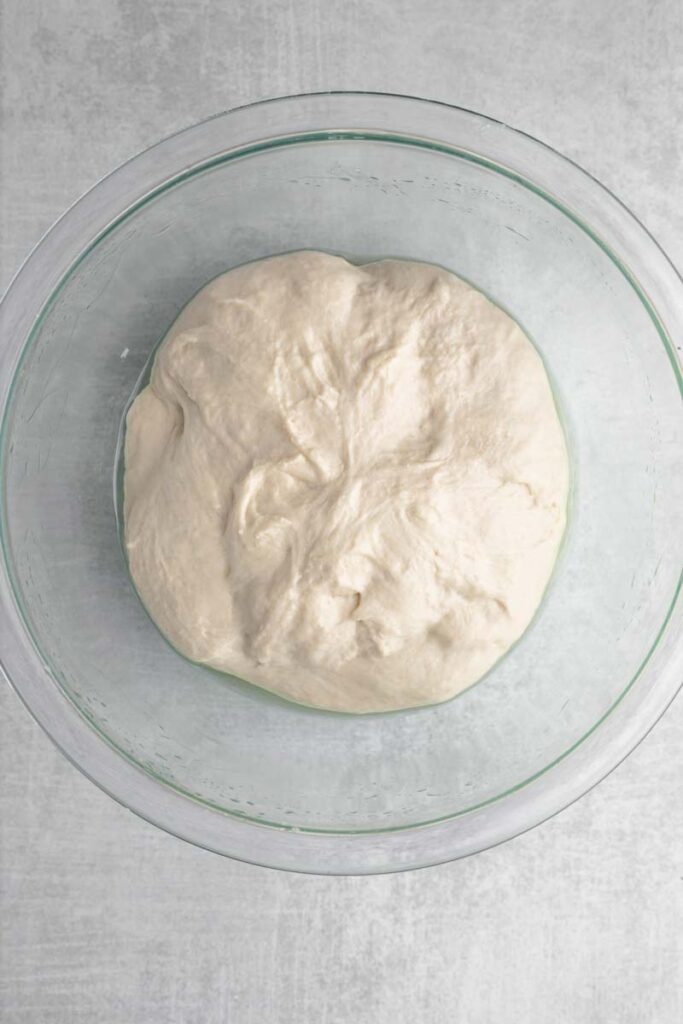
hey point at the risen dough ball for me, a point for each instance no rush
(345, 484)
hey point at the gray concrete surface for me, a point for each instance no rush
(106, 920)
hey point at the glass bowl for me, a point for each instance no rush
(208, 757)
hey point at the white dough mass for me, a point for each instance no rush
(346, 484)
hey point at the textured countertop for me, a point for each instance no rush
(104, 919)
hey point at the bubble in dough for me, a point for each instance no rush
(346, 484)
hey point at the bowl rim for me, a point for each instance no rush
(54, 258)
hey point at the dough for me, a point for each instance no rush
(346, 484)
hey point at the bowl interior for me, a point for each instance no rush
(234, 746)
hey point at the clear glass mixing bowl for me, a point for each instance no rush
(228, 766)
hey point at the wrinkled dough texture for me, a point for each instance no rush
(346, 484)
